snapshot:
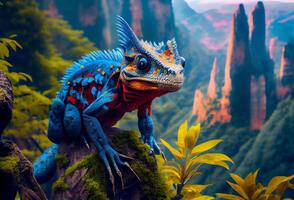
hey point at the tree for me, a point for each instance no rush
(29, 119)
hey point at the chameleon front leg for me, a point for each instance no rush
(146, 127)
(100, 140)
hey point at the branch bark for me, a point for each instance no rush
(16, 174)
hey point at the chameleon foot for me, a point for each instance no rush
(114, 159)
(150, 140)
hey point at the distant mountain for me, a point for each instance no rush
(205, 28)
(213, 24)
(258, 136)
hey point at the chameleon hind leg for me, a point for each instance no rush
(72, 121)
(100, 140)
(55, 128)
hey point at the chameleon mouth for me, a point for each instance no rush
(162, 83)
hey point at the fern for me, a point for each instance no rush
(30, 106)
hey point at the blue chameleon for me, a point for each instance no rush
(100, 88)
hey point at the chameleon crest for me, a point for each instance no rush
(160, 65)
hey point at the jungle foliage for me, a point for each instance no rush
(30, 106)
(46, 46)
(49, 45)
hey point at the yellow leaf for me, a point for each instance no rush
(182, 132)
(210, 158)
(191, 172)
(240, 181)
(25, 77)
(291, 186)
(195, 188)
(172, 173)
(276, 181)
(192, 136)
(228, 196)
(238, 189)
(173, 151)
(203, 197)
(257, 194)
(222, 164)
(205, 146)
(177, 170)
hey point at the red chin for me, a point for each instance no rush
(143, 90)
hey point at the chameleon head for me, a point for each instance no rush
(149, 66)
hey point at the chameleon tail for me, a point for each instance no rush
(55, 127)
(45, 166)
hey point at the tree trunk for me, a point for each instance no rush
(16, 175)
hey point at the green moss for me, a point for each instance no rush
(9, 164)
(61, 160)
(145, 166)
(93, 179)
(59, 185)
(78, 165)
(152, 184)
(93, 183)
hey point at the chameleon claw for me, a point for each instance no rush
(130, 168)
(121, 179)
(163, 156)
(85, 142)
(124, 156)
(151, 152)
(111, 177)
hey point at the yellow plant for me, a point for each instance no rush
(188, 158)
(248, 189)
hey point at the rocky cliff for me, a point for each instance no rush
(285, 85)
(238, 66)
(263, 78)
(287, 66)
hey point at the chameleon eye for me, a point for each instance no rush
(142, 63)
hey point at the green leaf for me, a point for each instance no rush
(4, 52)
(25, 77)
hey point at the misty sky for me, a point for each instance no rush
(203, 5)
